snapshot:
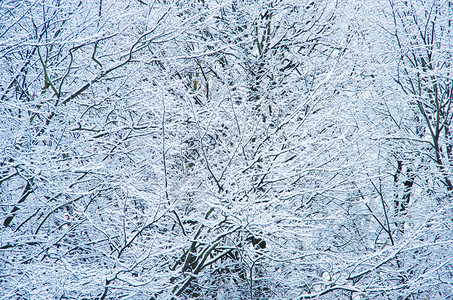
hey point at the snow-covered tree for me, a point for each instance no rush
(225, 149)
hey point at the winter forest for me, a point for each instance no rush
(233, 149)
